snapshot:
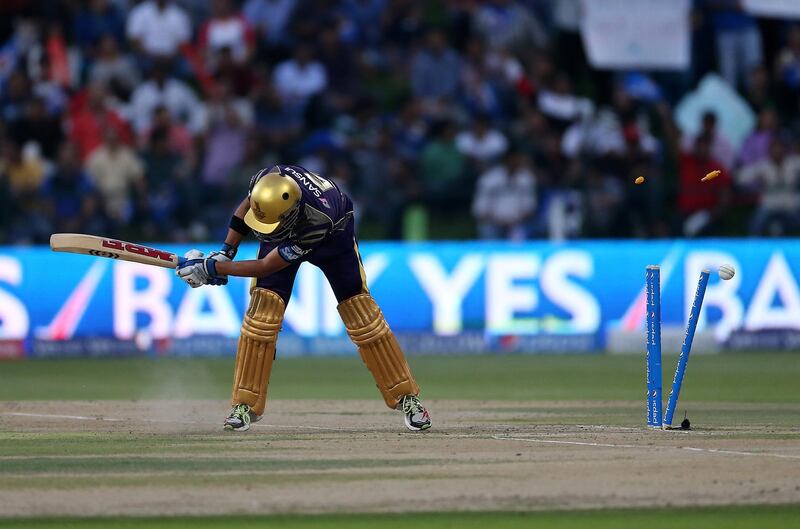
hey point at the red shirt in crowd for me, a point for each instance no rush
(87, 126)
(695, 195)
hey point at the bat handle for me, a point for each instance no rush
(181, 260)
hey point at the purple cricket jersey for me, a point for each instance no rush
(324, 209)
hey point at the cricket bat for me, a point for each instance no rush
(113, 249)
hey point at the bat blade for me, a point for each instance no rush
(113, 249)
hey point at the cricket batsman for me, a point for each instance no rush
(300, 216)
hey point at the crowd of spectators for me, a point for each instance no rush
(442, 118)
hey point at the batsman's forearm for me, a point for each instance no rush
(265, 266)
(234, 238)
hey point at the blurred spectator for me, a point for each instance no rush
(481, 143)
(435, 69)
(175, 95)
(337, 58)
(300, 77)
(788, 63)
(410, 131)
(15, 97)
(702, 203)
(482, 91)
(158, 28)
(776, 181)
(229, 123)
(375, 161)
(21, 180)
(252, 161)
(756, 145)
(561, 105)
(91, 118)
(403, 22)
(228, 30)
(67, 194)
(276, 122)
(113, 69)
(505, 199)
(738, 40)
(368, 91)
(365, 15)
(721, 148)
(40, 127)
(382, 82)
(180, 141)
(165, 176)
(270, 18)
(443, 165)
(8, 214)
(758, 91)
(54, 64)
(237, 75)
(508, 24)
(608, 132)
(95, 20)
(604, 199)
(117, 173)
(787, 72)
(24, 174)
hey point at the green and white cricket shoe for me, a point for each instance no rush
(417, 417)
(240, 418)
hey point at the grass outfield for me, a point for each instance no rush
(766, 517)
(511, 433)
(755, 378)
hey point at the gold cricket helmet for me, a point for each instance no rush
(274, 202)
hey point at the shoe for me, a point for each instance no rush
(417, 417)
(240, 418)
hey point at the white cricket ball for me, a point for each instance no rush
(726, 271)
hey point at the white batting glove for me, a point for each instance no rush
(193, 272)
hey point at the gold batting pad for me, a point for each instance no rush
(378, 348)
(256, 349)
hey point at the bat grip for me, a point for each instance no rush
(181, 260)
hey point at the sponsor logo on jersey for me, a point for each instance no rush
(303, 179)
(292, 252)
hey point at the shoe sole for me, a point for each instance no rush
(416, 428)
(229, 428)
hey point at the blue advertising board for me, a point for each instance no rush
(439, 297)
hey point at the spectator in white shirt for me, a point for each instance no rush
(776, 179)
(171, 93)
(481, 143)
(505, 199)
(300, 78)
(158, 28)
(562, 105)
(226, 29)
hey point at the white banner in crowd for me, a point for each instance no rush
(773, 8)
(631, 34)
